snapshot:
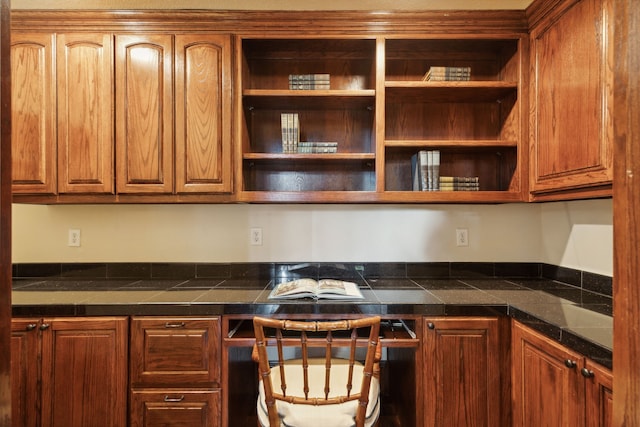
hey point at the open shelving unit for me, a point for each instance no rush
(381, 112)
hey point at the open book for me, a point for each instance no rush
(323, 288)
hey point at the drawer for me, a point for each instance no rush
(176, 407)
(175, 352)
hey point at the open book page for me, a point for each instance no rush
(324, 288)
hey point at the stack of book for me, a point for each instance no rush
(459, 183)
(309, 81)
(442, 74)
(425, 170)
(290, 132)
(314, 147)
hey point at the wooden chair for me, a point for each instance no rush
(325, 391)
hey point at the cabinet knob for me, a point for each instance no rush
(570, 363)
(44, 326)
(586, 373)
(31, 326)
(176, 325)
(430, 325)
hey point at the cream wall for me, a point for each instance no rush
(572, 234)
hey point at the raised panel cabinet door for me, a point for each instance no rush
(548, 389)
(175, 408)
(175, 352)
(144, 113)
(84, 372)
(462, 372)
(25, 372)
(33, 113)
(571, 98)
(85, 113)
(203, 113)
(599, 395)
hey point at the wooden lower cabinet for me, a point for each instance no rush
(70, 372)
(465, 379)
(175, 372)
(555, 386)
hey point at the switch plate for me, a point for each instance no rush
(462, 237)
(255, 236)
(74, 237)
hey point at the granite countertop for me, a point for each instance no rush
(580, 320)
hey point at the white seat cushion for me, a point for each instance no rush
(338, 415)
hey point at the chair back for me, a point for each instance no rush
(308, 334)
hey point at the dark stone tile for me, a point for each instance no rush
(436, 270)
(173, 271)
(153, 284)
(534, 322)
(472, 269)
(129, 270)
(385, 270)
(244, 284)
(491, 284)
(252, 270)
(200, 284)
(387, 283)
(343, 271)
(597, 283)
(24, 283)
(517, 269)
(476, 310)
(467, 297)
(562, 274)
(441, 284)
(85, 270)
(38, 270)
(213, 271)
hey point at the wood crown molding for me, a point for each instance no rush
(276, 22)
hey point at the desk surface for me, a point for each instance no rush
(560, 311)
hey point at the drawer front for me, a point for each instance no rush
(175, 351)
(175, 407)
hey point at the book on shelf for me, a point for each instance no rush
(425, 170)
(317, 147)
(316, 289)
(459, 183)
(309, 81)
(448, 74)
(290, 127)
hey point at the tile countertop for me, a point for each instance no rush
(565, 313)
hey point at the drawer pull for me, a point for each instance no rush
(174, 399)
(44, 326)
(177, 325)
(570, 363)
(31, 326)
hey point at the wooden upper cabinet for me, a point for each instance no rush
(144, 113)
(571, 101)
(85, 113)
(33, 113)
(203, 113)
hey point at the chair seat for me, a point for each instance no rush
(333, 415)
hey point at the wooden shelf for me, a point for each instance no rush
(471, 143)
(311, 157)
(468, 91)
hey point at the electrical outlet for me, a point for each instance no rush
(74, 237)
(462, 237)
(255, 236)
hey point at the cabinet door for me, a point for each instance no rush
(203, 113)
(144, 113)
(25, 372)
(462, 372)
(33, 113)
(571, 102)
(548, 389)
(85, 113)
(175, 352)
(168, 408)
(599, 395)
(84, 372)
